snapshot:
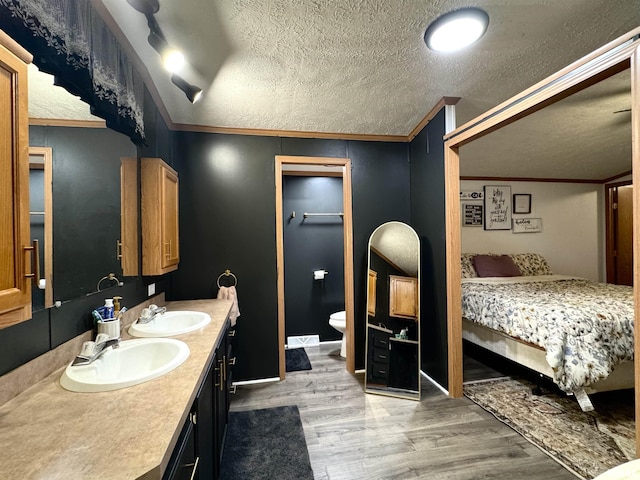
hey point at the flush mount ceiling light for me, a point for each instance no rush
(456, 30)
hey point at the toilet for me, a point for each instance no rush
(338, 321)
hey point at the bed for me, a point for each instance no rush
(575, 331)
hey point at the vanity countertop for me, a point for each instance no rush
(47, 432)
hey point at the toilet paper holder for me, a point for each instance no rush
(319, 274)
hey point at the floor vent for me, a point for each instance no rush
(303, 341)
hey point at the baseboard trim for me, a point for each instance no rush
(435, 384)
(260, 380)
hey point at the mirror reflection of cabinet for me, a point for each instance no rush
(403, 296)
(159, 200)
(393, 312)
(371, 293)
(128, 243)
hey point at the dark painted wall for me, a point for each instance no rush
(227, 220)
(428, 219)
(310, 244)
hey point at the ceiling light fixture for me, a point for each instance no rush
(172, 59)
(192, 92)
(456, 30)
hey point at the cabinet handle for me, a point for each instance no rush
(232, 333)
(232, 390)
(232, 361)
(221, 384)
(119, 250)
(217, 369)
(194, 418)
(224, 368)
(35, 262)
(195, 468)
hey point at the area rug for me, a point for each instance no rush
(296, 359)
(265, 444)
(588, 443)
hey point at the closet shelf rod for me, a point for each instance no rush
(323, 214)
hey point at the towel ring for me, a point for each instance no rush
(227, 273)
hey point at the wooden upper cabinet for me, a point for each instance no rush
(371, 293)
(128, 244)
(159, 199)
(403, 297)
(17, 257)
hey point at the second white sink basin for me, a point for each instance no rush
(170, 323)
(133, 362)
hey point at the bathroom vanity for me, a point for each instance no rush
(161, 429)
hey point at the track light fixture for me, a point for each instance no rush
(192, 92)
(172, 59)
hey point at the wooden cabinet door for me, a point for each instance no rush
(159, 202)
(16, 255)
(403, 296)
(170, 236)
(128, 247)
(371, 295)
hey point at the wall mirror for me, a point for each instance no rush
(86, 196)
(392, 362)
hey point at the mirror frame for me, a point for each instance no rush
(398, 393)
(612, 58)
(47, 164)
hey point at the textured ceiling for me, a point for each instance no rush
(357, 66)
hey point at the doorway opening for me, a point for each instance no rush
(619, 220)
(316, 167)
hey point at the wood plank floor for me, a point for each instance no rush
(352, 435)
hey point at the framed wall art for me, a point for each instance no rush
(521, 203)
(527, 225)
(497, 207)
(472, 215)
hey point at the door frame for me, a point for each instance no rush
(622, 53)
(317, 167)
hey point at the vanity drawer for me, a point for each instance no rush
(380, 355)
(379, 373)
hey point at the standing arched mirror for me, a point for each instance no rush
(393, 312)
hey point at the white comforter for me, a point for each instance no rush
(586, 328)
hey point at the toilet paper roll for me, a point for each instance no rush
(319, 274)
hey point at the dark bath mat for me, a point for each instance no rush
(296, 359)
(265, 444)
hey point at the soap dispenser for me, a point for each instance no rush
(116, 306)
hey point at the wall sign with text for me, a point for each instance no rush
(527, 225)
(471, 215)
(497, 207)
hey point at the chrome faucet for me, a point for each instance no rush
(91, 351)
(150, 313)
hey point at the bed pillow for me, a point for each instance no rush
(531, 264)
(495, 266)
(466, 261)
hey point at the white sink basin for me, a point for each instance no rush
(133, 362)
(170, 323)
